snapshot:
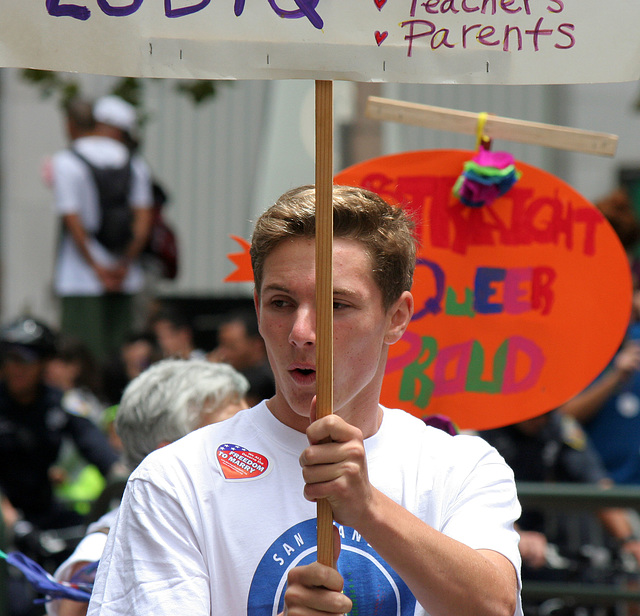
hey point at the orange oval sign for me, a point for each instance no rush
(519, 304)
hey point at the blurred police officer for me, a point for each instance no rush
(33, 426)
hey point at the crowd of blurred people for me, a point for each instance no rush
(60, 386)
(122, 374)
(59, 449)
(56, 378)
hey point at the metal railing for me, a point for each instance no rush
(577, 496)
(581, 497)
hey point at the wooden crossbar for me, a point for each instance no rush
(495, 127)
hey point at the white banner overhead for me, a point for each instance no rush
(411, 41)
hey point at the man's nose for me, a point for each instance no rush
(303, 330)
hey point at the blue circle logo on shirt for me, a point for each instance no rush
(371, 584)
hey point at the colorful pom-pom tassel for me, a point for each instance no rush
(486, 177)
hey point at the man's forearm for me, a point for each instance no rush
(79, 236)
(446, 576)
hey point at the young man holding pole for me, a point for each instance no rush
(223, 522)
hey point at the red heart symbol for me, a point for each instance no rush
(240, 463)
(380, 36)
(380, 3)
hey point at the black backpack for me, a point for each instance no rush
(113, 184)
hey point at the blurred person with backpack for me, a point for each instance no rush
(103, 195)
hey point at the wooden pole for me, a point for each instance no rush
(324, 288)
(496, 127)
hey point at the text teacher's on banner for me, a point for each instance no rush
(410, 41)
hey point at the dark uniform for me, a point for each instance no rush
(32, 433)
(30, 441)
(559, 452)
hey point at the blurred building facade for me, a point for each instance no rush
(224, 161)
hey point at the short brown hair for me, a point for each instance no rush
(385, 231)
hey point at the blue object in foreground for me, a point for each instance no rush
(44, 583)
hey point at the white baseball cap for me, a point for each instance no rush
(114, 111)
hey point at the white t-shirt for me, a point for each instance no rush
(75, 192)
(211, 524)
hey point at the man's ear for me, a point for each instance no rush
(399, 317)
